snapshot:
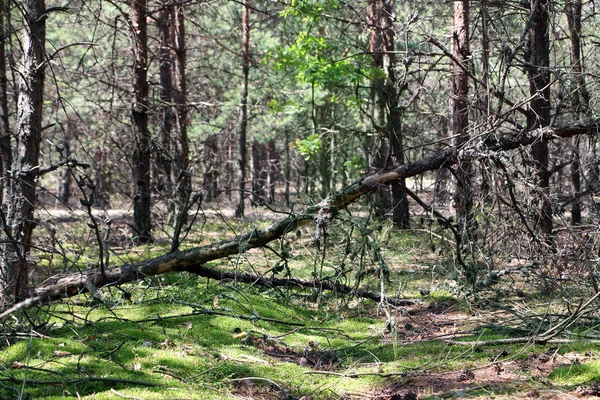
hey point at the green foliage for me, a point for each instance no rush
(312, 59)
(309, 147)
(310, 10)
(354, 165)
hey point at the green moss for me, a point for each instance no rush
(577, 374)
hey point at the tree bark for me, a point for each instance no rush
(273, 166)
(382, 200)
(400, 213)
(63, 192)
(387, 113)
(18, 222)
(180, 175)
(211, 168)
(538, 71)
(580, 100)
(167, 117)
(288, 167)
(139, 113)
(102, 173)
(239, 211)
(5, 140)
(193, 260)
(459, 118)
(255, 170)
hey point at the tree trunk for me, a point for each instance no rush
(386, 112)
(5, 141)
(539, 108)
(64, 180)
(484, 103)
(288, 168)
(211, 168)
(102, 175)
(180, 175)
(139, 112)
(272, 170)
(382, 200)
(239, 211)
(229, 166)
(580, 100)
(19, 223)
(255, 172)
(459, 117)
(167, 117)
(392, 89)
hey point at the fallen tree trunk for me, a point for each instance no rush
(194, 260)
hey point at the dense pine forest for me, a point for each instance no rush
(299, 199)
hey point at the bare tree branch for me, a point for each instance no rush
(194, 260)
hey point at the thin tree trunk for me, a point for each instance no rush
(539, 108)
(211, 169)
(64, 180)
(272, 168)
(180, 175)
(229, 168)
(485, 105)
(459, 117)
(5, 142)
(382, 200)
(288, 168)
(19, 222)
(239, 212)
(400, 213)
(580, 100)
(167, 117)
(139, 112)
(255, 155)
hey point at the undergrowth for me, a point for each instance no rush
(179, 336)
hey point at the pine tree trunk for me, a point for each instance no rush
(272, 168)
(64, 181)
(139, 112)
(181, 176)
(5, 142)
(580, 100)
(382, 201)
(239, 211)
(459, 117)
(19, 221)
(539, 109)
(211, 169)
(167, 117)
(255, 170)
(288, 168)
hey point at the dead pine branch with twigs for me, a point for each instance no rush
(194, 260)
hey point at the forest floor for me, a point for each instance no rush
(179, 336)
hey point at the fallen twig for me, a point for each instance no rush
(79, 381)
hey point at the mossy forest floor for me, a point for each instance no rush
(179, 336)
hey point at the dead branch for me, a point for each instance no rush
(79, 381)
(194, 260)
